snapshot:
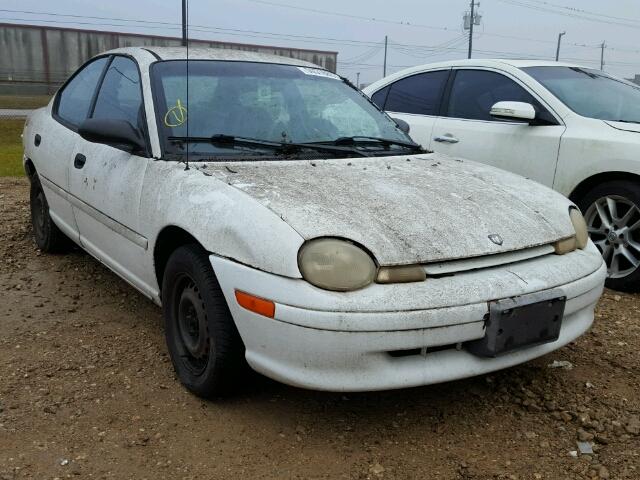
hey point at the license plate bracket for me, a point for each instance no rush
(519, 322)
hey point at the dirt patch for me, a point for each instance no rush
(87, 391)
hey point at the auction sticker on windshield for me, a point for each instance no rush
(318, 72)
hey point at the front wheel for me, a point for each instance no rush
(612, 213)
(205, 347)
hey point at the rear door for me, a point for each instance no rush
(106, 182)
(416, 100)
(467, 130)
(54, 141)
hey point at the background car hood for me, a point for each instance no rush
(627, 127)
(409, 209)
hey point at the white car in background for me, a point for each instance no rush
(304, 231)
(571, 128)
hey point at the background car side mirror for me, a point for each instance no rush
(402, 125)
(115, 133)
(513, 111)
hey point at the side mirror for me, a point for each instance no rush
(513, 111)
(402, 125)
(115, 133)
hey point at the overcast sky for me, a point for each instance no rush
(419, 31)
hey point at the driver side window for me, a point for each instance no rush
(474, 92)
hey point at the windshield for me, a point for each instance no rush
(591, 93)
(269, 102)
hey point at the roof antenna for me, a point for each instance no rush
(185, 43)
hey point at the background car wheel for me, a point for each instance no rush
(612, 212)
(48, 236)
(204, 344)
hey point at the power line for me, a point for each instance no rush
(587, 12)
(348, 15)
(158, 24)
(69, 15)
(542, 8)
(415, 50)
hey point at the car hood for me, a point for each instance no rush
(625, 126)
(409, 209)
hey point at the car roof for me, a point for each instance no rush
(495, 62)
(204, 53)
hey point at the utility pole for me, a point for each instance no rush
(558, 47)
(470, 19)
(358, 80)
(473, 4)
(602, 47)
(384, 67)
(184, 23)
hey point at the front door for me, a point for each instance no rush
(467, 130)
(416, 100)
(106, 182)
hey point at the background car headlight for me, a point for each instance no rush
(579, 240)
(335, 264)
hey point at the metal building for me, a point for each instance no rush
(37, 59)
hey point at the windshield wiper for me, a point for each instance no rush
(283, 148)
(362, 139)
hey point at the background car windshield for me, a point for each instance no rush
(264, 101)
(591, 93)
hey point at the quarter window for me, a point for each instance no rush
(75, 99)
(120, 96)
(380, 97)
(474, 92)
(420, 94)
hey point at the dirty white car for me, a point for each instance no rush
(279, 217)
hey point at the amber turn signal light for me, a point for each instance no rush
(255, 304)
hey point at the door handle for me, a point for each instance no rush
(446, 138)
(37, 139)
(79, 161)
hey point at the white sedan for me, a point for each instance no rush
(281, 219)
(572, 128)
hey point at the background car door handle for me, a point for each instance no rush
(448, 138)
(79, 161)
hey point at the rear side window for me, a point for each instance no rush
(420, 94)
(474, 92)
(380, 97)
(75, 99)
(120, 96)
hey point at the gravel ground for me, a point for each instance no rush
(87, 391)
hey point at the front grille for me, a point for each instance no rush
(486, 261)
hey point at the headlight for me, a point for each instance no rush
(335, 264)
(579, 240)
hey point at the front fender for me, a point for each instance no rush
(595, 150)
(226, 221)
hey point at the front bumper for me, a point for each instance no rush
(351, 341)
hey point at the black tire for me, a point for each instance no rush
(204, 344)
(48, 236)
(623, 276)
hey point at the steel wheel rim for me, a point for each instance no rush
(614, 227)
(191, 326)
